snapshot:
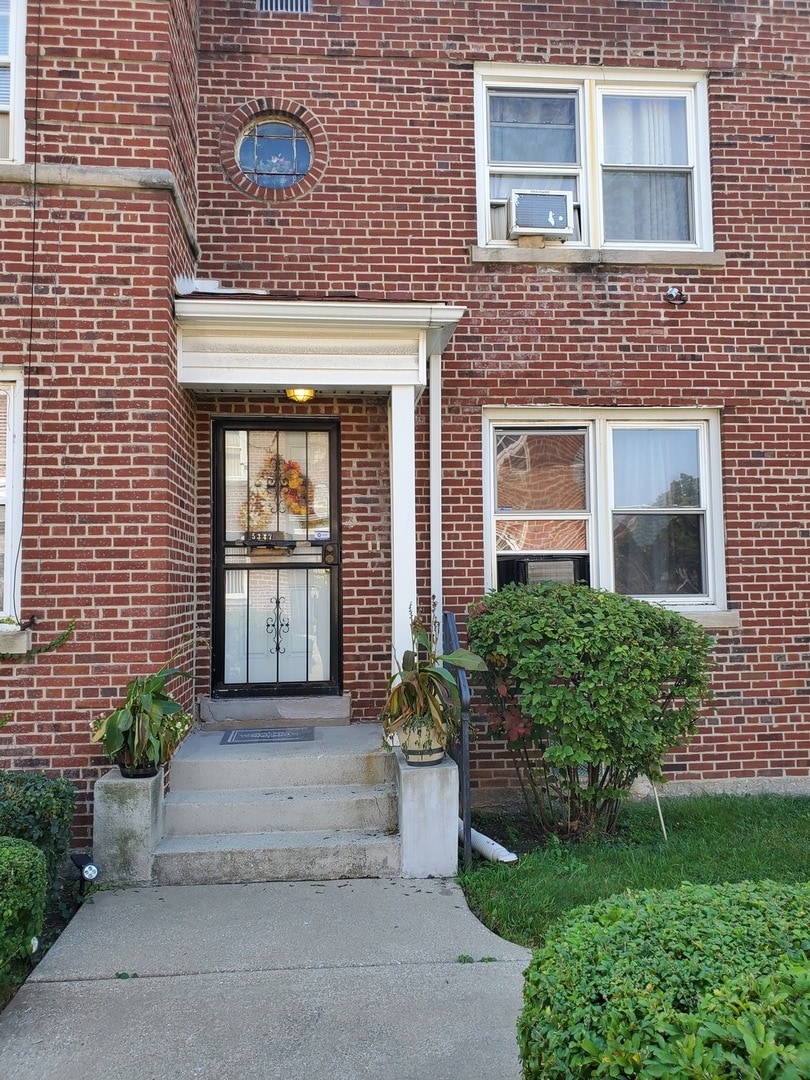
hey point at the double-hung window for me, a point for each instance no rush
(10, 492)
(12, 76)
(630, 147)
(625, 500)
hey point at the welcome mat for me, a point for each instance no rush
(276, 734)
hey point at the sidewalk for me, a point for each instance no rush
(278, 981)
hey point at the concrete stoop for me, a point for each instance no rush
(325, 808)
(334, 806)
(219, 715)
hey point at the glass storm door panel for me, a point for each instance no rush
(277, 559)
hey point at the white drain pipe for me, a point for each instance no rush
(483, 845)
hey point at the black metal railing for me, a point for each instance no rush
(460, 752)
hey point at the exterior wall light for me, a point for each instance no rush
(674, 295)
(300, 394)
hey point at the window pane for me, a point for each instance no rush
(3, 442)
(533, 127)
(540, 470)
(2, 556)
(645, 130)
(5, 26)
(274, 154)
(647, 206)
(658, 554)
(517, 534)
(5, 86)
(503, 184)
(657, 467)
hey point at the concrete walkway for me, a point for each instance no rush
(279, 981)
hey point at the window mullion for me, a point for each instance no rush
(591, 159)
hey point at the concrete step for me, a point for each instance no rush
(222, 714)
(276, 856)
(335, 755)
(336, 806)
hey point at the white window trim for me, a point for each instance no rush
(11, 382)
(599, 422)
(590, 83)
(16, 60)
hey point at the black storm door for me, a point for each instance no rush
(276, 558)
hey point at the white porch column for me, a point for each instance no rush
(401, 427)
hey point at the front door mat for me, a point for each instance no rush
(265, 735)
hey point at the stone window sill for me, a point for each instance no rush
(713, 620)
(562, 255)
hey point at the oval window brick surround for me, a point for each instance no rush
(273, 150)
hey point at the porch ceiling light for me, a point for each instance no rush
(300, 394)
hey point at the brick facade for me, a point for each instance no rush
(117, 510)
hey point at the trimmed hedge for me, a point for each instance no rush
(23, 887)
(698, 981)
(590, 689)
(39, 809)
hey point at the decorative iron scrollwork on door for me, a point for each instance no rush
(277, 624)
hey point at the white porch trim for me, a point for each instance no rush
(228, 345)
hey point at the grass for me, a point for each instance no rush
(712, 839)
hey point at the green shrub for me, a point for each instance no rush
(671, 983)
(38, 809)
(23, 886)
(590, 689)
(754, 1028)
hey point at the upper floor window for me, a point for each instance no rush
(626, 500)
(12, 74)
(599, 158)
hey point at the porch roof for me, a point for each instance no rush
(260, 345)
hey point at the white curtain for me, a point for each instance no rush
(657, 467)
(642, 204)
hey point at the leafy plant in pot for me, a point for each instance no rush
(143, 732)
(422, 705)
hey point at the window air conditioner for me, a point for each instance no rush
(541, 213)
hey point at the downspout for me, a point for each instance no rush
(488, 848)
(435, 475)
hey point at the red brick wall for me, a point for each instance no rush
(85, 299)
(115, 530)
(393, 217)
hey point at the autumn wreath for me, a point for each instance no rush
(288, 485)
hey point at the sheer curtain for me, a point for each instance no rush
(651, 202)
(655, 467)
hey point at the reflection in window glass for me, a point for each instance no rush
(520, 534)
(540, 470)
(658, 554)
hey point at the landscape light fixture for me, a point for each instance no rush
(85, 865)
(300, 394)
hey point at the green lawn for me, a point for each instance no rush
(712, 839)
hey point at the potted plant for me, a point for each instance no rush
(422, 705)
(143, 732)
